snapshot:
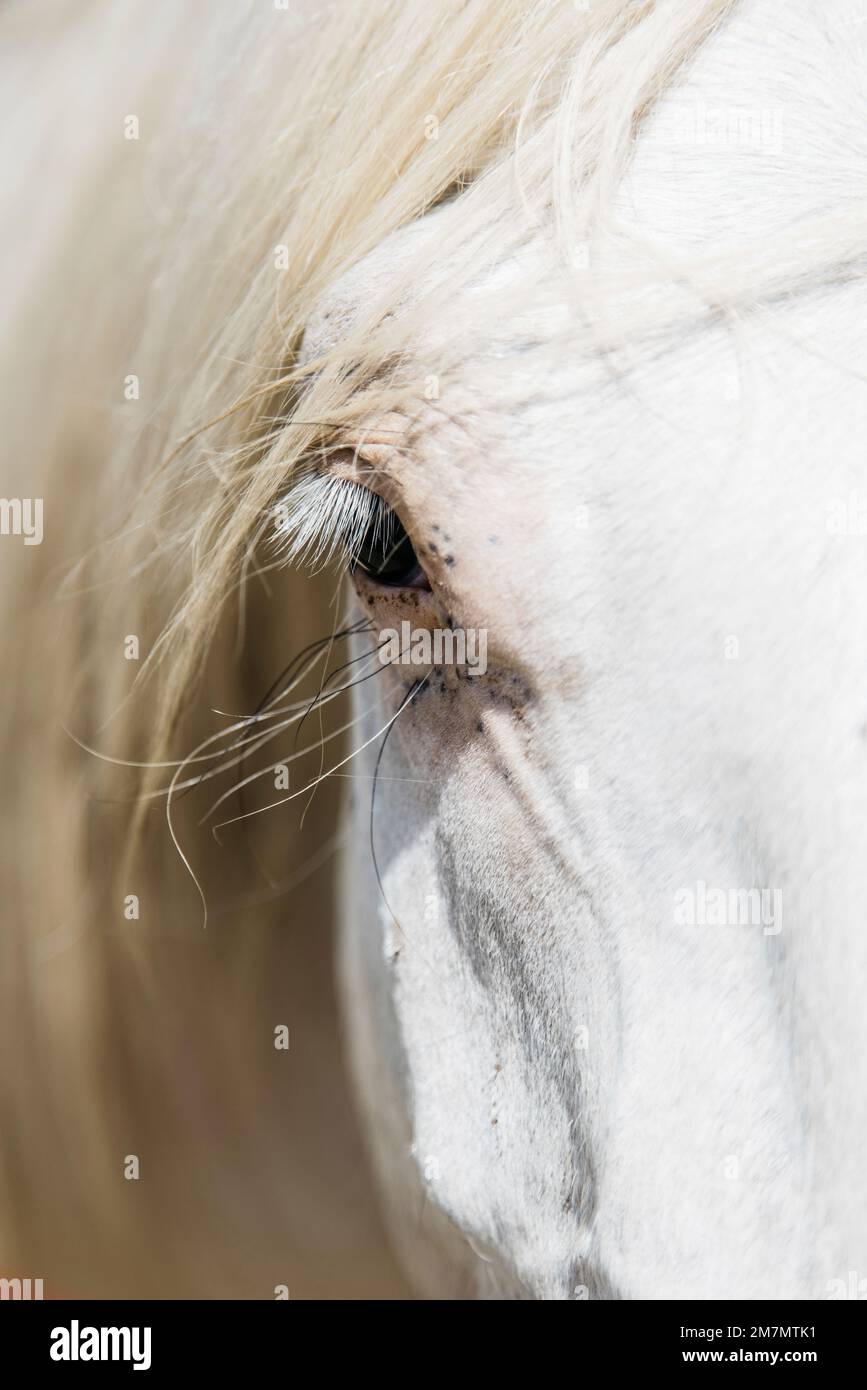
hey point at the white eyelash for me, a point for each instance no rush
(323, 518)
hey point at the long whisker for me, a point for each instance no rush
(276, 711)
(248, 744)
(175, 841)
(169, 799)
(252, 744)
(275, 691)
(284, 724)
(284, 799)
(264, 738)
(283, 685)
(336, 672)
(241, 722)
(283, 762)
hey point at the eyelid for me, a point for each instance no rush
(342, 462)
(368, 469)
(375, 448)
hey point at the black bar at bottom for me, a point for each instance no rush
(156, 1338)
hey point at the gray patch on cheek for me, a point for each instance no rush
(490, 943)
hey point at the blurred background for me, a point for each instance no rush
(153, 1140)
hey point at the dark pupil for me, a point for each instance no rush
(386, 552)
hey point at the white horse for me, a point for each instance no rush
(575, 1084)
(551, 319)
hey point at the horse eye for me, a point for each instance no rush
(386, 553)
